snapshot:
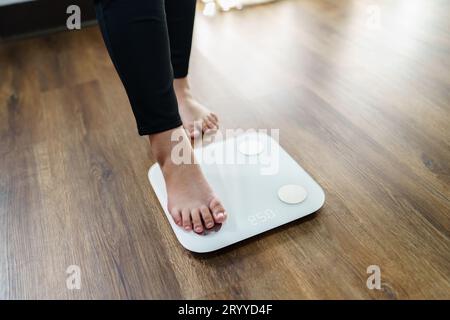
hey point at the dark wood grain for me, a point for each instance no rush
(364, 110)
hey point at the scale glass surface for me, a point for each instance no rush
(251, 174)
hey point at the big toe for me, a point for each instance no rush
(218, 211)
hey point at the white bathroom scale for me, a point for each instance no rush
(259, 184)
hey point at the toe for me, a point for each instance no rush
(209, 124)
(218, 210)
(213, 121)
(207, 217)
(196, 220)
(215, 117)
(186, 217)
(206, 123)
(176, 216)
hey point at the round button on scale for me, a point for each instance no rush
(251, 147)
(292, 193)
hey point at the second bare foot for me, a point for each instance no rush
(196, 117)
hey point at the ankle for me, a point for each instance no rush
(164, 160)
(181, 83)
(182, 88)
(163, 143)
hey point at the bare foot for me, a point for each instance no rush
(191, 202)
(196, 117)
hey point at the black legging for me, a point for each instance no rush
(137, 33)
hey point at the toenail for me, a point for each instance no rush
(220, 215)
(209, 225)
(187, 228)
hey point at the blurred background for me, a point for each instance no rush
(20, 18)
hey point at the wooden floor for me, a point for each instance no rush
(363, 106)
